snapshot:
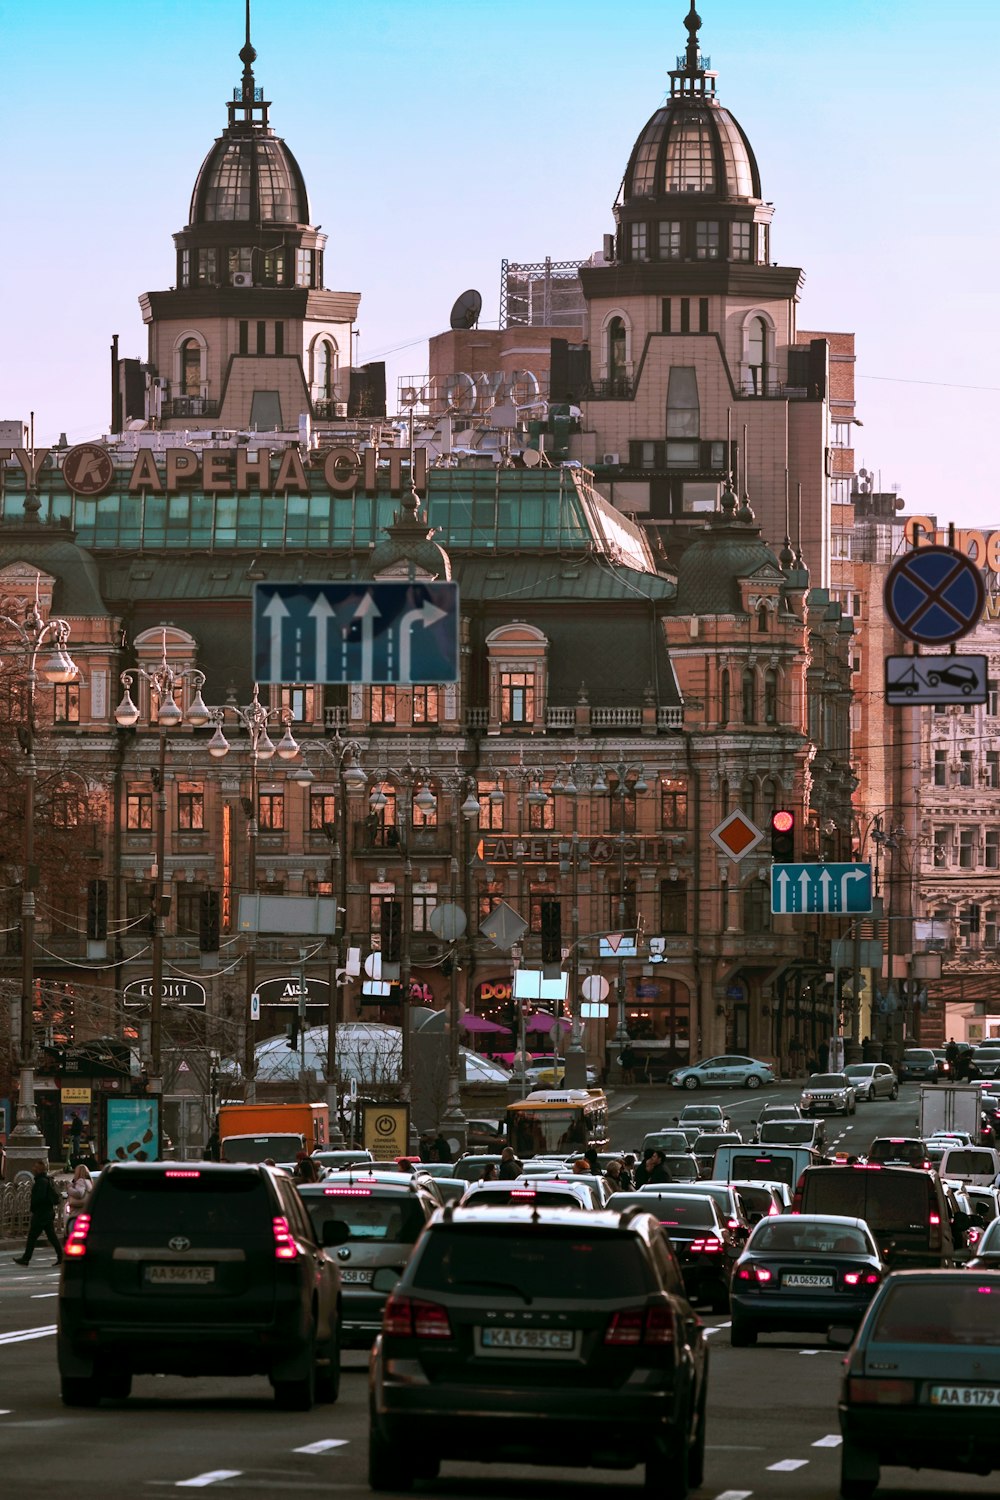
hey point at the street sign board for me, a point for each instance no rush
(934, 595)
(618, 945)
(172, 992)
(819, 888)
(866, 953)
(308, 916)
(935, 679)
(736, 835)
(389, 632)
(504, 926)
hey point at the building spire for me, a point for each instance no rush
(692, 78)
(693, 23)
(248, 57)
(248, 108)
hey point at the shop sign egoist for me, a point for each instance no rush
(89, 471)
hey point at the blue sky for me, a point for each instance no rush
(437, 139)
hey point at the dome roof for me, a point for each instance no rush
(710, 569)
(692, 146)
(249, 177)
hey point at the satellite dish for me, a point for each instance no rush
(530, 457)
(465, 313)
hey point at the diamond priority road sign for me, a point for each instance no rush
(736, 835)
(389, 632)
(823, 888)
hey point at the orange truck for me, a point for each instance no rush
(258, 1132)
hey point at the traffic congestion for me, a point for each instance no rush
(595, 1303)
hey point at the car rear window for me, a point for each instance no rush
(666, 1140)
(260, 1147)
(960, 1313)
(532, 1197)
(908, 1151)
(789, 1132)
(681, 1168)
(532, 1262)
(397, 1218)
(792, 1234)
(754, 1167)
(967, 1161)
(681, 1212)
(181, 1202)
(885, 1200)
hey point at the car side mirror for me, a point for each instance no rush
(840, 1337)
(335, 1232)
(385, 1279)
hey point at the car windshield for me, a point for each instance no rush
(827, 1081)
(918, 1055)
(184, 1201)
(798, 1234)
(541, 1262)
(964, 1312)
(397, 1218)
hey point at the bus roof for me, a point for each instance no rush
(558, 1096)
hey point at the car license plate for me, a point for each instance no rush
(527, 1340)
(806, 1281)
(356, 1278)
(180, 1275)
(965, 1395)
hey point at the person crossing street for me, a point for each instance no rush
(44, 1202)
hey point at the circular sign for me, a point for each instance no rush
(595, 987)
(385, 1125)
(88, 469)
(934, 595)
(448, 921)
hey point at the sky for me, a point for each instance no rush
(439, 138)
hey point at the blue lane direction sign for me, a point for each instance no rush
(390, 632)
(821, 888)
(935, 679)
(934, 595)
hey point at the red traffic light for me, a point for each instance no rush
(782, 821)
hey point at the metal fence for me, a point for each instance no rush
(15, 1200)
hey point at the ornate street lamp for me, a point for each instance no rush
(26, 1143)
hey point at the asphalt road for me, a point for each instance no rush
(772, 1410)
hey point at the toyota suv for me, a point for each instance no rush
(198, 1269)
(525, 1335)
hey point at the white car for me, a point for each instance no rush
(828, 1093)
(873, 1080)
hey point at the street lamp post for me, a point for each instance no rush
(254, 717)
(26, 1142)
(163, 681)
(627, 780)
(351, 782)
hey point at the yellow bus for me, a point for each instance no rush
(551, 1120)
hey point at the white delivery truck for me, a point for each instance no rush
(957, 1106)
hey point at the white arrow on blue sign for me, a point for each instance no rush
(821, 888)
(389, 632)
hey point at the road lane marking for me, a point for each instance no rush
(734, 1495)
(832, 1440)
(323, 1446)
(786, 1465)
(35, 1296)
(22, 1335)
(213, 1476)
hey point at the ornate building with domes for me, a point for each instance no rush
(249, 337)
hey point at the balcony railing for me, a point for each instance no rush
(389, 841)
(621, 388)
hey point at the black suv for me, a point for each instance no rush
(539, 1336)
(382, 1213)
(198, 1268)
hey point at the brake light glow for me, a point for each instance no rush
(521, 1193)
(174, 1172)
(347, 1192)
(864, 1391)
(706, 1246)
(410, 1317)
(76, 1245)
(285, 1247)
(641, 1325)
(755, 1273)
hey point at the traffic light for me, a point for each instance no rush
(392, 931)
(782, 836)
(292, 1033)
(551, 932)
(208, 922)
(97, 910)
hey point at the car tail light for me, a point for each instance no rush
(861, 1278)
(76, 1245)
(285, 1247)
(732, 1223)
(347, 1192)
(641, 1325)
(410, 1317)
(934, 1239)
(759, 1274)
(773, 1210)
(521, 1193)
(175, 1172)
(706, 1246)
(866, 1392)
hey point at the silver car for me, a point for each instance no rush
(828, 1093)
(873, 1080)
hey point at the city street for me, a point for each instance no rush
(772, 1410)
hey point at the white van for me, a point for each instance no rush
(977, 1165)
(763, 1163)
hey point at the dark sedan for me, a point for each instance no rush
(921, 1384)
(705, 1246)
(802, 1272)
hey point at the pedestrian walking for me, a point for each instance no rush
(78, 1195)
(44, 1201)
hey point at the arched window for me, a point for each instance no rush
(748, 797)
(757, 356)
(763, 621)
(616, 352)
(769, 800)
(190, 368)
(749, 696)
(325, 370)
(724, 705)
(770, 696)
